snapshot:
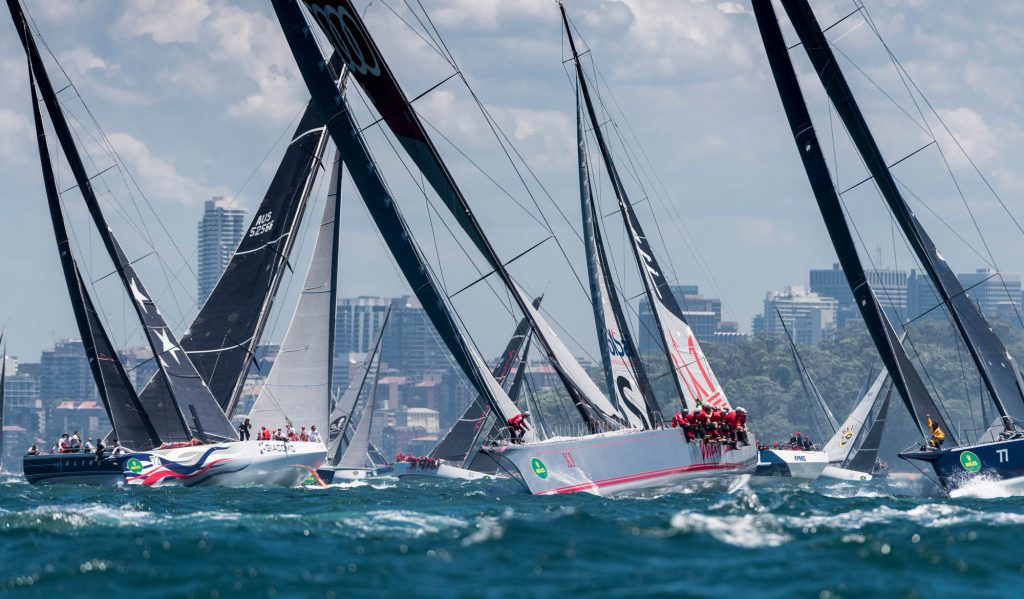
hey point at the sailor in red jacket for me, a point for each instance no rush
(517, 426)
(701, 420)
(741, 426)
(681, 419)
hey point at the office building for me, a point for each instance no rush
(922, 301)
(889, 285)
(703, 314)
(220, 230)
(808, 316)
(996, 294)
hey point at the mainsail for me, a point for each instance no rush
(382, 207)
(695, 381)
(298, 388)
(460, 440)
(624, 372)
(841, 446)
(182, 383)
(996, 367)
(905, 376)
(124, 410)
(345, 29)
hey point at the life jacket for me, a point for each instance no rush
(516, 421)
(730, 420)
(741, 419)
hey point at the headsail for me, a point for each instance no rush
(867, 451)
(905, 376)
(997, 368)
(130, 421)
(298, 388)
(356, 454)
(382, 207)
(695, 381)
(185, 387)
(624, 371)
(348, 34)
(460, 439)
(341, 414)
(841, 446)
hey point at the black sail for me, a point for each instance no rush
(381, 205)
(223, 337)
(186, 388)
(864, 458)
(459, 440)
(349, 36)
(995, 365)
(124, 410)
(904, 375)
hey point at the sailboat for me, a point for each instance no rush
(999, 455)
(620, 454)
(853, 450)
(457, 455)
(194, 442)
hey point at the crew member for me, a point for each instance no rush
(314, 435)
(99, 448)
(741, 426)
(938, 437)
(243, 430)
(33, 450)
(517, 426)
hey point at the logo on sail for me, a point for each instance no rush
(969, 460)
(347, 38)
(847, 434)
(539, 468)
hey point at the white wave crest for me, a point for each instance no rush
(746, 531)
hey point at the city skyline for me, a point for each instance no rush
(753, 238)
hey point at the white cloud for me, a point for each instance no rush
(762, 232)
(978, 139)
(158, 177)
(15, 135)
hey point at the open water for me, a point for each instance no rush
(487, 539)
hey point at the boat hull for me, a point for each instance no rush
(837, 473)
(445, 471)
(1001, 462)
(798, 465)
(72, 469)
(620, 461)
(238, 464)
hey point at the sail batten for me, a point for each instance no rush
(907, 380)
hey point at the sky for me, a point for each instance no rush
(196, 96)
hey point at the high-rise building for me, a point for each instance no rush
(889, 285)
(808, 316)
(65, 374)
(703, 314)
(357, 321)
(220, 230)
(997, 294)
(22, 405)
(922, 301)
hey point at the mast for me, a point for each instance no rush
(805, 378)
(905, 377)
(348, 34)
(682, 350)
(382, 208)
(120, 401)
(623, 368)
(996, 367)
(183, 384)
(298, 387)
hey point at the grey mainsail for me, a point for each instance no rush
(624, 371)
(695, 382)
(381, 206)
(182, 383)
(904, 375)
(347, 33)
(298, 388)
(995, 365)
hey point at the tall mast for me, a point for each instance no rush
(344, 27)
(996, 367)
(805, 377)
(694, 380)
(183, 384)
(623, 368)
(905, 377)
(381, 206)
(124, 410)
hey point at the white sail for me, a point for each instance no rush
(842, 443)
(298, 391)
(356, 454)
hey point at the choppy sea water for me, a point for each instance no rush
(472, 539)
